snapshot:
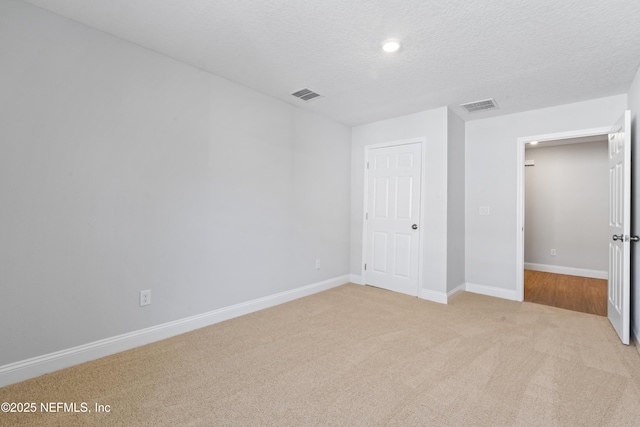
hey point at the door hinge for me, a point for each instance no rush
(365, 267)
(366, 215)
(367, 165)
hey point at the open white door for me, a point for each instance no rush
(392, 238)
(619, 226)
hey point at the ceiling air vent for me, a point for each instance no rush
(306, 94)
(485, 104)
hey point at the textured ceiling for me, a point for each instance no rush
(524, 53)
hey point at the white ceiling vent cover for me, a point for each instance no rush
(485, 104)
(306, 95)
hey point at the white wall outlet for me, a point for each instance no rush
(484, 210)
(318, 264)
(553, 252)
(145, 297)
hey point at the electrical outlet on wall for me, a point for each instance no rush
(318, 264)
(145, 297)
(553, 252)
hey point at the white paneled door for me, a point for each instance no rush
(619, 226)
(392, 229)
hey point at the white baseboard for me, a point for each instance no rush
(355, 278)
(434, 296)
(491, 291)
(441, 297)
(36, 366)
(571, 271)
(460, 288)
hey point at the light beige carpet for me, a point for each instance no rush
(361, 356)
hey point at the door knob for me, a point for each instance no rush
(414, 226)
(620, 237)
(634, 238)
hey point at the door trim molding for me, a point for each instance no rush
(367, 150)
(519, 294)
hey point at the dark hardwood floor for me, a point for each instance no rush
(575, 293)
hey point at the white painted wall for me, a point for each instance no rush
(490, 178)
(455, 202)
(566, 207)
(432, 125)
(122, 170)
(634, 106)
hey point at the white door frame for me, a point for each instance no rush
(520, 192)
(367, 153)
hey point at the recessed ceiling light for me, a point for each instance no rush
(533, 142)
(391, 45)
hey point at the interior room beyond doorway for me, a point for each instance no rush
(583, 294)
(566, 220)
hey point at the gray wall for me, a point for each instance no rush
(123, 170)
(443, 231)
(432, 125)
(566, 206)
(491, 158)
(455, 201)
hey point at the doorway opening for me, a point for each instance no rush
(566, 223)
(520, 186)
(619, 265)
